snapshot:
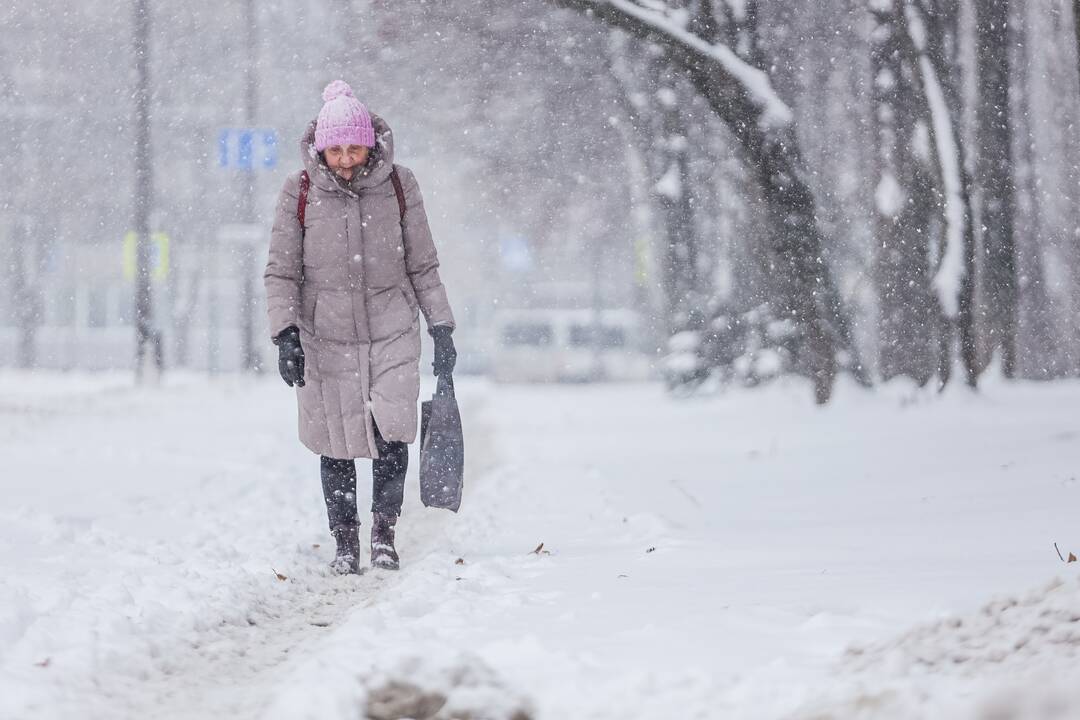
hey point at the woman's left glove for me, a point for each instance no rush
(290, 356)
(445, 353)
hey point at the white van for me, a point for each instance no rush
(550, 345)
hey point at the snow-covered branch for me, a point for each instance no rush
(655, 19)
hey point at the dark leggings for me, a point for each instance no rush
(387, 483)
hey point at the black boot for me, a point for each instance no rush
(383, 554)
(347, 558)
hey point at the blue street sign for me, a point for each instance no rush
(247, 148)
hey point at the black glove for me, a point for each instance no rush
(445, 354)
(290, 356)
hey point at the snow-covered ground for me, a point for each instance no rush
(747, 555)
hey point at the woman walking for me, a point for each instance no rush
(352, 264)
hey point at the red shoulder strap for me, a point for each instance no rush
(301, 201)
(399, 191)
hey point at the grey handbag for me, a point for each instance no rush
(442, 448)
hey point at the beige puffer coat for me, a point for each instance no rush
(353, 281)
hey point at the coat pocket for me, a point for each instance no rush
(333, 315)
(389, 313)
(411, 301)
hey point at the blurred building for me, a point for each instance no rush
(72, 301)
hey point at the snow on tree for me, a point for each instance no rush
(742, 95)
(932, 29)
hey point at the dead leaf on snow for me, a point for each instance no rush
(280, 577)
(316, 546)
(1072, 558)
(538, 549)
(459, 561)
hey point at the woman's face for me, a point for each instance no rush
(345, 159)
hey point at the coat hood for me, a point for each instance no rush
(376, 172)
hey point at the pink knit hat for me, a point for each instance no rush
(343, 119)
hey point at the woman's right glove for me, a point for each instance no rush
(290, 356)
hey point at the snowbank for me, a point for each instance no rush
(1014, 658)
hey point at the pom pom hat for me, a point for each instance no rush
(343, 119)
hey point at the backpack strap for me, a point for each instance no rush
(301, 201)
(399, 191)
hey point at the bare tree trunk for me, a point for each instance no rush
(25, 292)
(995, 168)
(250, 357)
(1038, 351)
(932, 28)
(905, 205)
(672, 189)
(943, 52)
(1076, 28)
(146, 334)
(1059, 163)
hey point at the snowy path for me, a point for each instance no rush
(140, 533)
(714, 555)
